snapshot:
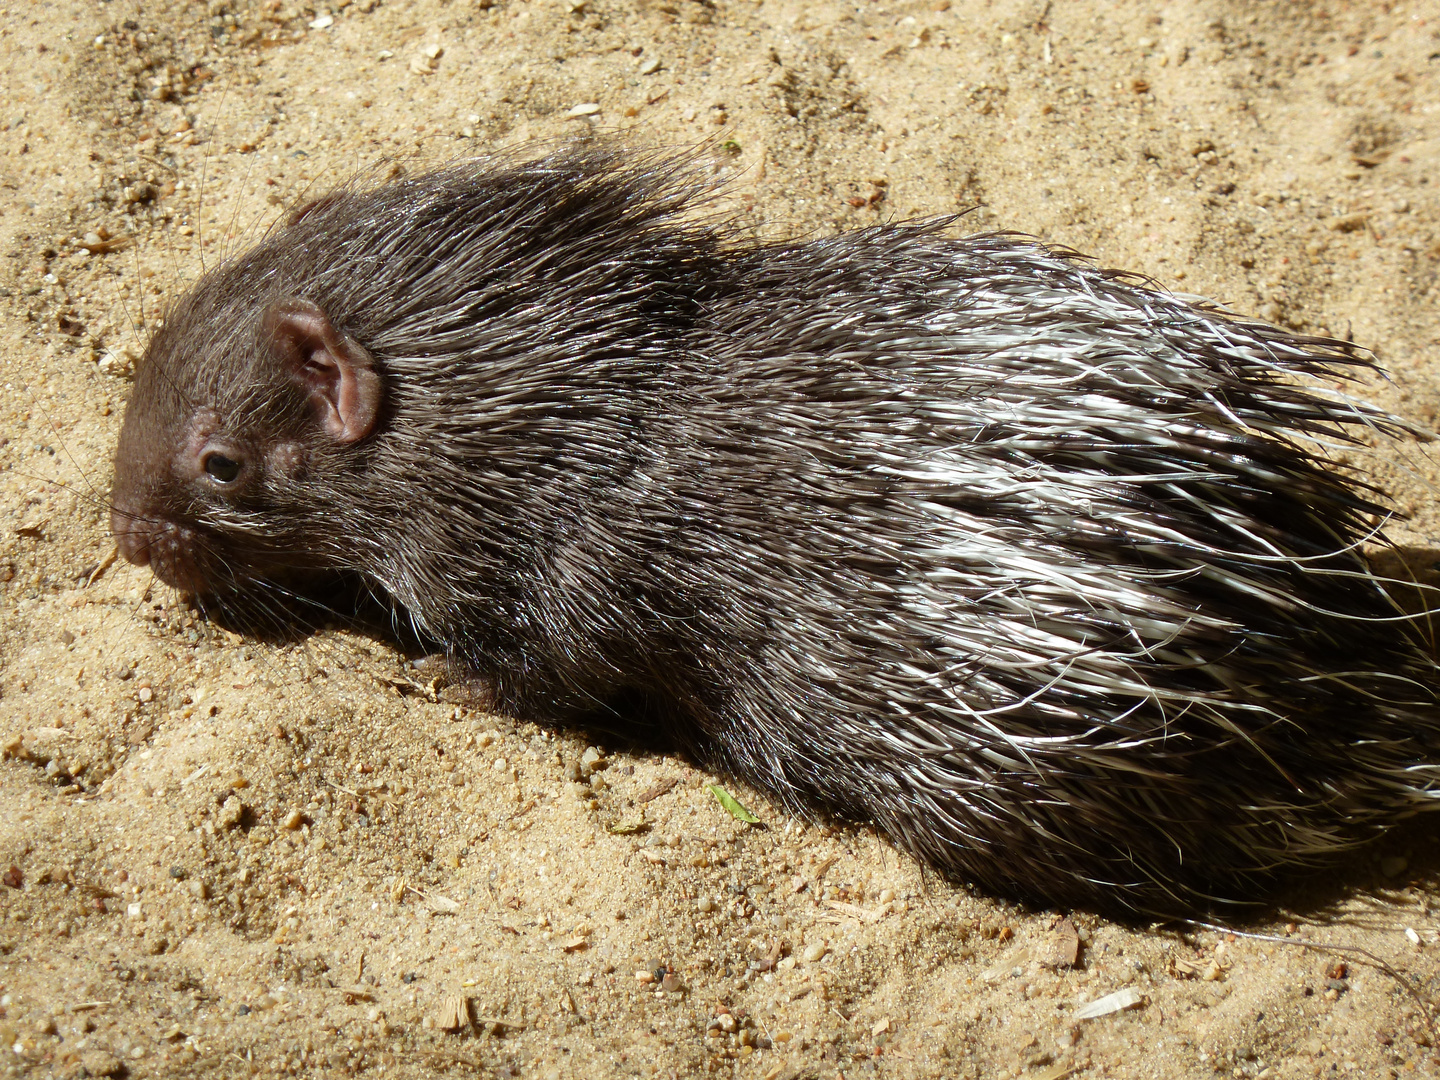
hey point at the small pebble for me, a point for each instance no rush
(426, 61)
(813, 952)
(585, 108)
(99, 1063)
(1346, 223)
(232, 812)
(650, 66)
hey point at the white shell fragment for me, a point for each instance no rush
(1110, 1003)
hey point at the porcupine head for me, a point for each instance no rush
(419, 383)
(236, 417)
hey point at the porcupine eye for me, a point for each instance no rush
(222, 468)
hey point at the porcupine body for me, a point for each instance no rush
(1035, 567)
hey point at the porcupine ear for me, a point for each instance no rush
(335, 371)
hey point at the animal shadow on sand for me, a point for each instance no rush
(1369, 888)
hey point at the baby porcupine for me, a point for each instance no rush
(1037, 568)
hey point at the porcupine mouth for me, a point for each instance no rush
(166, 547)
(273, 602)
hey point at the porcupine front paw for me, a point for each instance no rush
(456, 684)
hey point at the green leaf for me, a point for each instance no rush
(733, 805)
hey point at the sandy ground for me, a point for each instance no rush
(225, 857)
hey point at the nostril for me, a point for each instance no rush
(167, 548)
(133, 542)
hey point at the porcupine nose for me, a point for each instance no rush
(167, 547)
(131, 537)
